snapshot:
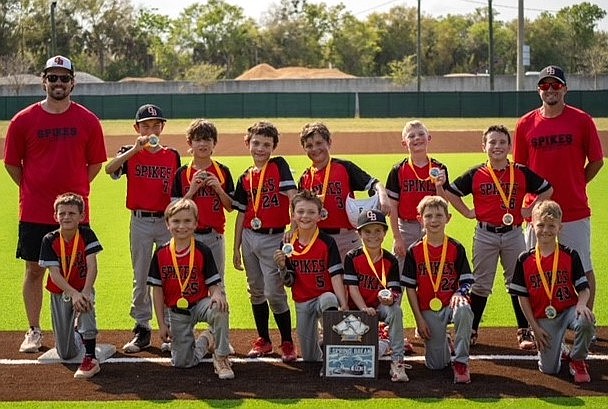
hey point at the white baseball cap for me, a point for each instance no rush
(59, 61)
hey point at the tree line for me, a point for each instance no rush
(214, 40)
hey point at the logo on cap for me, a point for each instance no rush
(550, 70)
(58, 60)
(152, 111)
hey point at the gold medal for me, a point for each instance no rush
(287, 249)
(256, 223)
(182, 303)
(385, 294)
(324, 213)
(153, 141)
(550, 312)
(434, 173)
(436, 304)
(507, 219)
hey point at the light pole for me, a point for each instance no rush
(418, 51)
(491, 44)
(53, 29)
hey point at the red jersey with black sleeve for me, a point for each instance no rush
(358, 272)
(409, 187)
(488, 203)
(456, 272)
(344, 179)
(50, 256)
(149, 178)
(273, 208)
(54, 152)
(204, 274)
(314, 269)
(558, 150)
(210, 209)
(571, 280)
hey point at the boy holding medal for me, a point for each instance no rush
(70, 254)
(209, 184)
(334, 180)
(372, 276)
(438, 278)
(262, 196)
(498, 188)
(310, 264)
(553, 290)
(185, 280)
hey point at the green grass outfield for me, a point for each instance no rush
(111, 220)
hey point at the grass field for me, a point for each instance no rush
(111, 221)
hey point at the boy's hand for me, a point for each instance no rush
(236, 260)
(140, 143)
(582, 311)
(279, 258)
(440, 179)
(218, 300)
(80, 302)
(543, 339)
(164, 332)
(399, 247)
(369, 311)
(423, 329)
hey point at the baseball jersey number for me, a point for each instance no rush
(447, 284)
(320, 281)
(270, 201)
(563, 294)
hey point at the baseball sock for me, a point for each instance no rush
(478, 305)
(283, 321)
(522, 322)
(89, 347)
(261, 314)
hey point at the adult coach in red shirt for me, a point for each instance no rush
(52, 147)
(561, 144)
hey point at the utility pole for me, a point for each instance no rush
(491, 44)
(418, 51)
(53, 29)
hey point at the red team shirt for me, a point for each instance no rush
(38, 141)
(204, 274)
(358, 272)
(488, 203)
(150, 178)
(571, 279)
(274, 204)
(404, 186)
(315, 268)
(210, 208)
(546, 144)
(456, 272)
(345, 178)
(50, 256)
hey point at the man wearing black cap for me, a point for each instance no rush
(561, 144)
(149, 168)
(52, 147)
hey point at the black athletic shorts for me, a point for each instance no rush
(30, 239)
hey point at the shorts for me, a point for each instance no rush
(30, 239)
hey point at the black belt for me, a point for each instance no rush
(496, 229)
(142, 213)
(330, 231)
(183, 311)
(203, 231)
(272, 230)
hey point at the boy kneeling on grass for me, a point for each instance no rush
(553, 291)
(185, 280)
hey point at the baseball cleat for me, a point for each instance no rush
(32, 341)
(578, 368)
(397, 372)
(260, 347)
(288, 352)
(140, 341)
(461, 372)
(526, 340)
(88, 368)
(222, 367)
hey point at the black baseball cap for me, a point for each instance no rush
(371, 217)
(149, 111)
(552, 71)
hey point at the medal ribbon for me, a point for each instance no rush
(506, 200)
(427, 262)
(182, 284)
(220, 175)
(255, 198)
(411, 163)
(308, 246)
(325, 180)
(543, 279)
(67, 271)
(370, 262)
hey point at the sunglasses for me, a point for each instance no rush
(54, 78)
(546, 85)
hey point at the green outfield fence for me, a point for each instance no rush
(323, 105)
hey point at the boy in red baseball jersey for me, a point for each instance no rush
(149, 168)
(498, 188)
(553, 290)
(334, 180)
(438, 278)
(310, 264)
(70, 254)
(185, 280)
(372, 276)
(262, 196)
(209, 184)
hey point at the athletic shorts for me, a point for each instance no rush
(30, 239)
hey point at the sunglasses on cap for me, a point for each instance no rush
(54, 78)
(546, 85)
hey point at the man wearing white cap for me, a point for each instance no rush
(52, 147)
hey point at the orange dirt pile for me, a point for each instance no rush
(268, 72)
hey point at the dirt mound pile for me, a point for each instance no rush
(268, 72)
